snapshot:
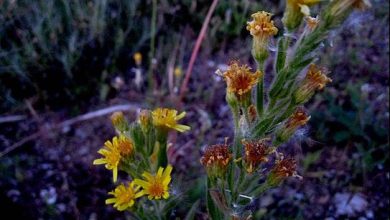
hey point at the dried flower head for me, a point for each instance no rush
(240, 80)
(156, 186)
(111, 158)
(362, 4)
(295, 11)
(297, 119)
(256, 152)
(252, 112)
(312, 22)
(165, 118)
(283, 168)
(124, 196)
(216, 159)
(261, 28)
(315, 79)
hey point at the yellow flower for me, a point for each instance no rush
(167, 119)
(137, 58)
(261, 25)
(240, 80)
(156, 186)
(124, 196)
(124, 145)
(295, 10)
(111, 157)
(261, 28)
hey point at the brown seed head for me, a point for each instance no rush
(256, 152)
(285, 168)
(216, 156)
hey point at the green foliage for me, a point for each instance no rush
(60, 49)
(356, 123)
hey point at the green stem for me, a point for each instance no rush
(260, 91)
(162, 136)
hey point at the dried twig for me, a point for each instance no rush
(12, 118)
(195, 51)
(84, 117)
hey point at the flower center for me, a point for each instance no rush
(156, 189)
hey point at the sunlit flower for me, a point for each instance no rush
(167, 119)
(111, 158)
(256, 152)
(216, 159)
(315, 79)
(295, 11)
(156, 186)
(124, 196)
(124, 145)
(261, 28)
(137, 58)
(240, 80)
(262, 25)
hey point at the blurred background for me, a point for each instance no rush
(66, 65)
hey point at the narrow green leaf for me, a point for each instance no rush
(191, 213)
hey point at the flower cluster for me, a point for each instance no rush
(132, 151)
(263, 123)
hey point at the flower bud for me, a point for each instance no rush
(145, 120)
(261, 28)
(119, 121)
